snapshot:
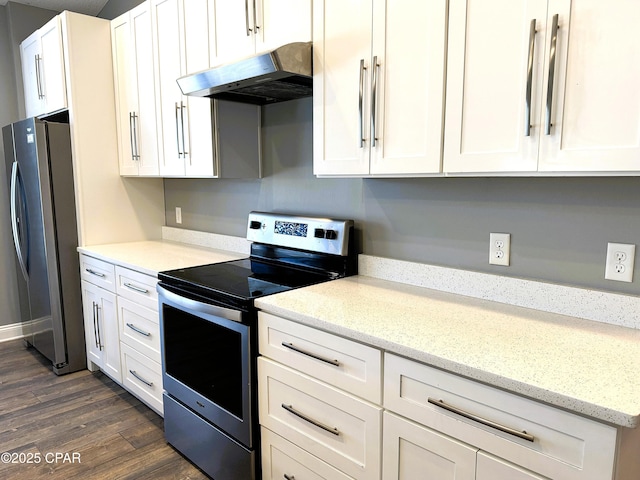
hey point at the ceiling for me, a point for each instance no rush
(88, 7)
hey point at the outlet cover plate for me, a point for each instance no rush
(499, 248)
(620, 260)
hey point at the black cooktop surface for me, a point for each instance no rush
(242, 280)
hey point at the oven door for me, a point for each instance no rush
(206, 362)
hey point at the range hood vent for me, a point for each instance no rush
(276, 76)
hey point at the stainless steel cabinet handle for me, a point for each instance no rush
(178, 129)
(184, 145)
(291, 346)
(290, 409)
(246, 16)
(483, 421)
(552, 72)
(374, 95)
(137, 330)
(93, 272)
(361, 103)
(38, 77)
(146, 382)
(95, 324)
(289, 477)
(136, 154)
(256, 27)
(135, 288)
(527, 106)
(131, 136)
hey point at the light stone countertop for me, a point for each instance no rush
(588, 367)
(151, 257)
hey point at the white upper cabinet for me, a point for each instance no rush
(135, 93)
(542, 86)
(246, 27)
(185, 131)
(379, 70)
(43, 70)
(595, 102)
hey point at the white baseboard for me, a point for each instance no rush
(11, 332)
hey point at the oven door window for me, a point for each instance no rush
(205, 356)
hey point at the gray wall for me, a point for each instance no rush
(559, 226)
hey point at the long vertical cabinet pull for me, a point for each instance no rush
(552, 72)
(96, 326)
(246, 17)
(361, 103)
(374, 100)
(178, 113)
(527, 109)
(36, 58)
(136, 155)
(256, 27)
(184, 144)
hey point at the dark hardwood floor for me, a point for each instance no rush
(77, 426)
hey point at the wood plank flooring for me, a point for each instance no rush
(105, 432)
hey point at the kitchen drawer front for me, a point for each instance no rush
(564, 445)
(339, 428)
(137, 287)
(142, 377)
(98, 272)
(139, 328)
(343, 363)
(280, 458)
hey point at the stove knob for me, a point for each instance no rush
(255, 225)
(318, 233)
(331, 235)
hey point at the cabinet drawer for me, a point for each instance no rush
(339, 428)
(564, 445)
(343, 363)
(142, 377)
(280, 458)
(137, 286)
(98, 272)
(139, 328)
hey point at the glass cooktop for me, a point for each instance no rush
(242, 280)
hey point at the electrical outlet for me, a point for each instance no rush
(499, 248)
(620, 258)
(178, 215)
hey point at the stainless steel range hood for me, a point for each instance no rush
(276, 76)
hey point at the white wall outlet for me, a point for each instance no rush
(178, 215)
(499, 248)
(620, 258)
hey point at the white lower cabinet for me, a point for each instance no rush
(493, 468)
(122, 327)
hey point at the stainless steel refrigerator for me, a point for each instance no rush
(43, 223)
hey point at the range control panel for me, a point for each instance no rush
(325, 235)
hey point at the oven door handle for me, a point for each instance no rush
(200, 307)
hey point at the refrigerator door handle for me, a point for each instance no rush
(14, 221)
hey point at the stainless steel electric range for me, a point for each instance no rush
(208, 327)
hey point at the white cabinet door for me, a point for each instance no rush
(180, 30)
(101, 329)
(409, 41)
(378, 104)
(595, 108)
(43, 70)
(279, 22)
(413, 452)
(493, 468)
(234, 30)
(135, 92)
(342, 68)
(489, 54)
(30, 55)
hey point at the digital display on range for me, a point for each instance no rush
(290, 228)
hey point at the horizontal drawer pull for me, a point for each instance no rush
(291, 346)
(483, 421)
(146, 382)
(136, 288)
(289, 477)
(93, 272)
(290, 409)
(137, 330)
